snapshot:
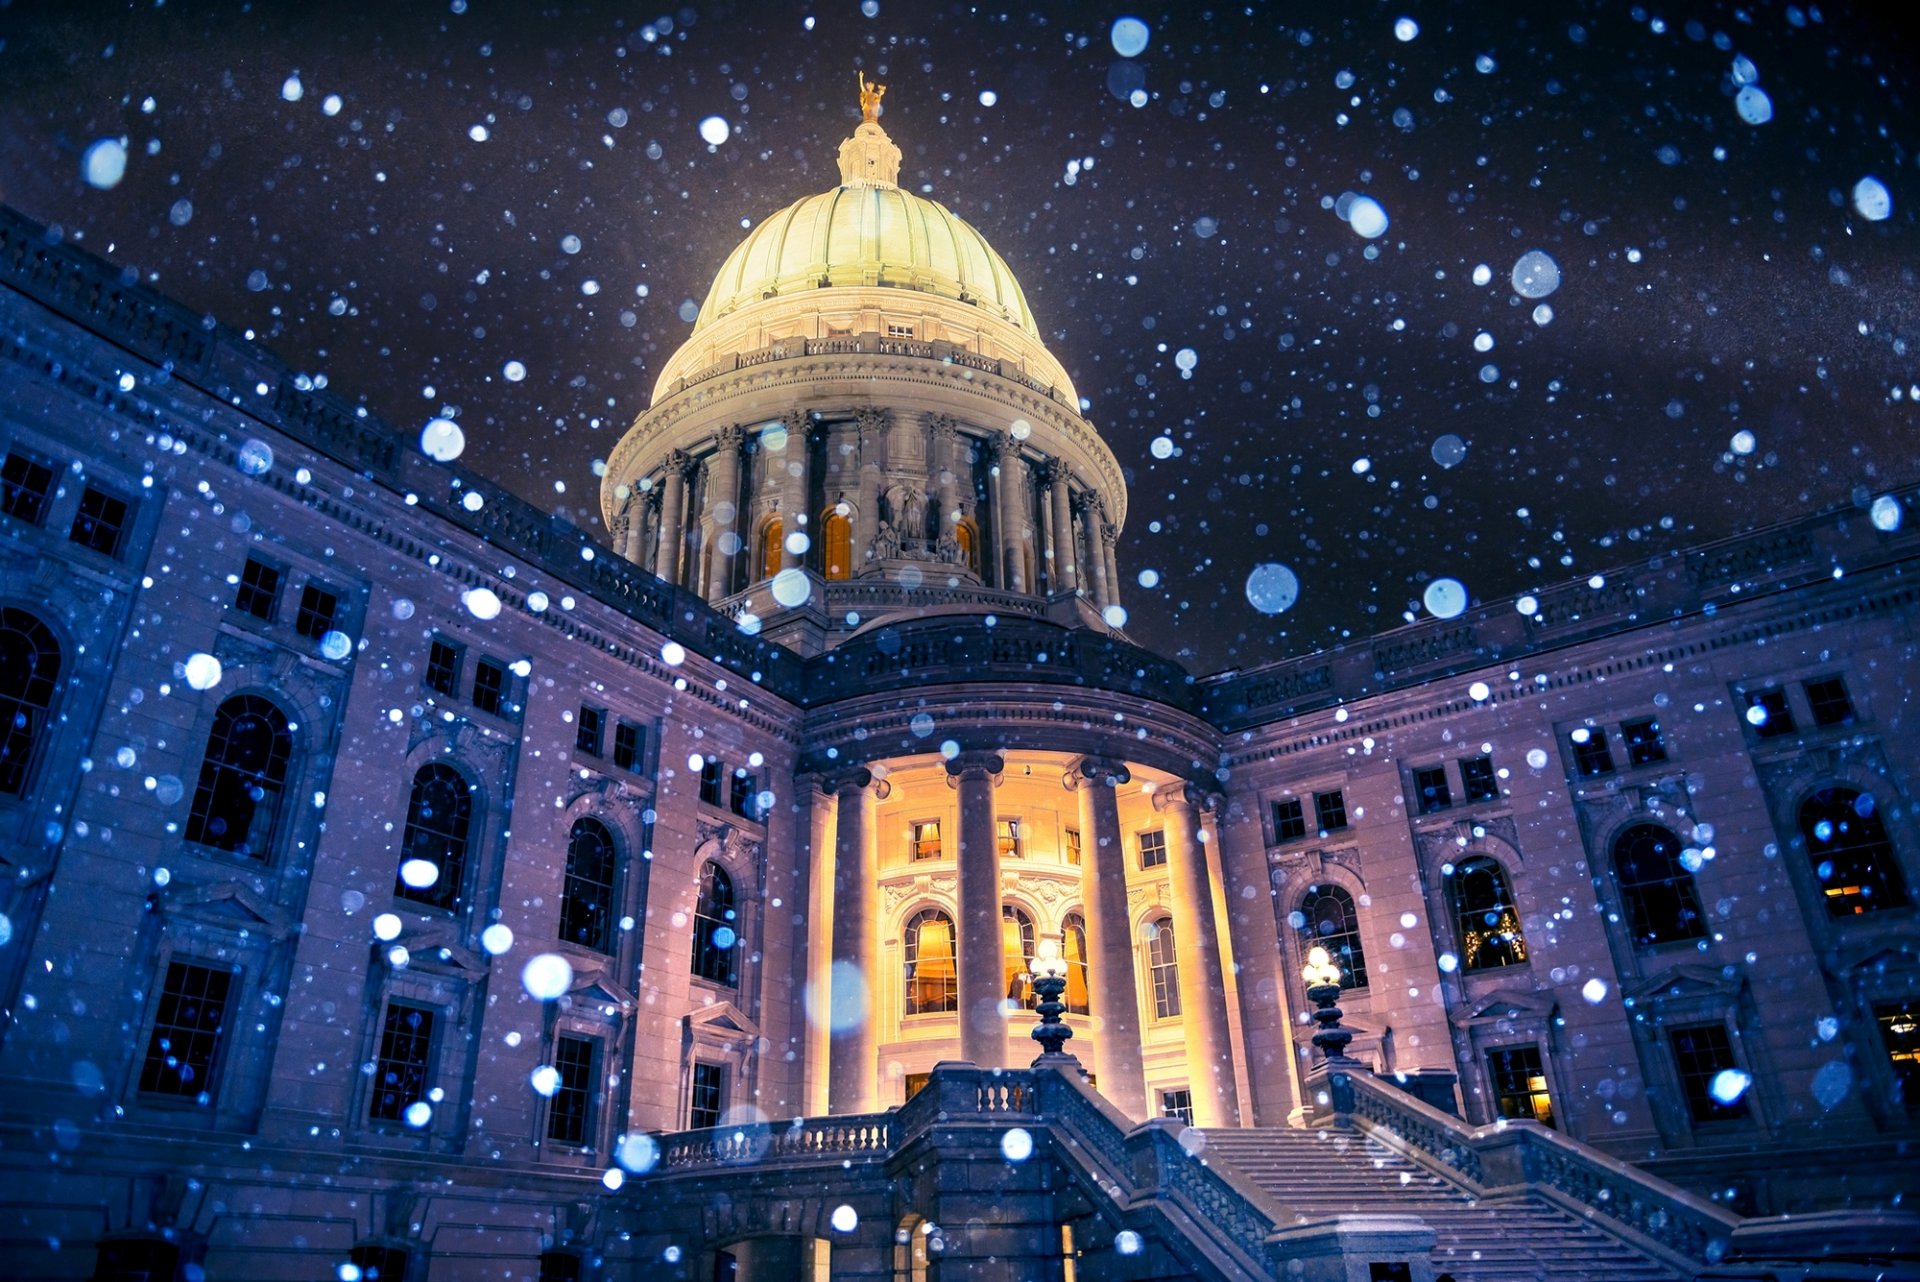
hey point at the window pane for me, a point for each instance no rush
(1645, 744)
(29, 675)
(100, 522)
(1153, 848)
(1520, 1084)
(1591, 756)
(588, 733)
(1828, 701)
(400, 1074)
(1430, 787)
(490, 685)
(26, 486)
(317, 610)
(237, 800)
(716, 938)
(1164, 968)
(1768, 713)
(187, 1027)
(1327, 918)
(709, 1096)
(1714, 1086)
(1663, 905)
(927, 946)
(1331, 810)
(627, 741)
(1289, 820)
(439, 824)
(569, 1110)
(1477, 779)
(259, 590)
(586, 906)
(1853, 859)
(1485, 916)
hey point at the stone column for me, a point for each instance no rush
(1109, 539)
(723, 507)
(1012, 513)
(866, 522)
(1065, 575)
(672, 502)
(1103, 890)
(796, 490)
(1203, 998)
(1090, 523)
(853, 983)
(983, 1029)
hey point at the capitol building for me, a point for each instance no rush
(402, 884)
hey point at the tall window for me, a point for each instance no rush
(242, 777)
(591, 730)
(29, 674)
(1007, 838)
(836, 539)
(709, 1096)
(629, 746)
(570, 1108)
(400, 1073)
(1070, 845)
(1663, 904)
(1900, 1030)
(586, 906)
(1328, 918)
(439, 828)
(716, 930)
(490, 685)
(926, 839)
(1851, 853)
(743, 796)
(1153, 848)
(1591, 756)
(1163, 968)
(931, 979)
(1073, 947)
(770, 547)
(1712, 1083)
(1485, 916)
(1016, 947)
(711, 772)
(1520, 1084)
(187, 1028)
(259, 591)
(443, 667)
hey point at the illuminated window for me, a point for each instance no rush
(836, 538)
(1016, 948)
(1485, 916)
(1851, 853)
(1007, 838)
(1663, 904)
(968, 537)
(237, 801)
(770, 546)
(318, 609)
(29, 676)
(1070, 845)
(926, 839)
(931, 981)
(1520, 1084)
(1073, 946)
(1163, 968)
(586, 903)
(1900, 1030)
(716, 927)
(439, 828)
(1328, 918)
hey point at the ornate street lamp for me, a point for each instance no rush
(1049, 970)
(1322, 974)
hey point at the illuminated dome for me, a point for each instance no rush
(867, 231)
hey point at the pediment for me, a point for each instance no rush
(1684, 983)
(229, 904)
(721, 1021)
(592, 987)
(1880, 958)
(438, 944)
(1505, 1003)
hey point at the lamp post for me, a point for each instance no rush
(1322, 974)
(1049, 970)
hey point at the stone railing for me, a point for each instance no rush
(1683, 1229)
(804, 1140)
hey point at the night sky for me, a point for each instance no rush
(407, 198)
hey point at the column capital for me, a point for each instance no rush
(731, 437)
(871, 419)
(1110, 535)
(1098, 771)
(977, 764)
(1190, 796)
(945, 426)
(853, 779)
(677, 462)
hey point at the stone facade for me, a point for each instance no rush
(318, 744)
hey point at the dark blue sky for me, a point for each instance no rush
(1720, 289)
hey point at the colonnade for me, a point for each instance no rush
(1072, 529)
(1114, 992)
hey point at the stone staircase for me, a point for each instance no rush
(1508, 1237)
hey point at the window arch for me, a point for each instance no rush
(1851, 853)
(242, 777)
(1163, 967)
(1016, 951)
(1073, 947)
(1663, 905)
(1328, 918)
(29, 675)
(771, 543)
(836, 541)
(932, 978)
(1484, 915)
(438, 835)
(967, 535)
(716, 927)
(586, 904)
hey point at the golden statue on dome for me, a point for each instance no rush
(870, 96)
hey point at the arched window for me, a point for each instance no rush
(29, 674)
(586, 906)
(433, 854)
(1484, 914)
(242, 777)
(770, 545)
(968, 537)
(1016, 950)
(1851, 853)
(932, 981)
(1327, 918)
(1163, 968)
(1662, 902)
(1073, 946)
(836, 539)
(716, 927)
